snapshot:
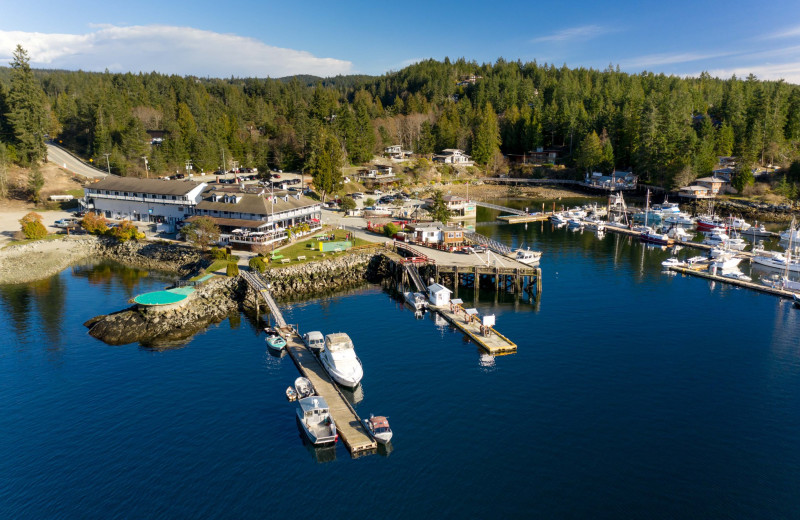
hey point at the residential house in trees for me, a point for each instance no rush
(396, 153)
(453, 156)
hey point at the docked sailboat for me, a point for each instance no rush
(339, 358)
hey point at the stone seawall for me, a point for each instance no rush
(221, 296)
(211, 303)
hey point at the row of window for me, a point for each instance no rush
(132, 194)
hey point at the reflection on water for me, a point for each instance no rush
(319, 454)
(48, 297)
(353, 395)
(107, 273)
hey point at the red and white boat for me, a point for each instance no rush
(710, 223)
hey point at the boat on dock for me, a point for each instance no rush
(378, 428)
(339, 359)
(757, 232)
(776, 260)
(737, 275)
(725, 262)
(291, 394)
(314, 340)
(651, 237)
(304, 388)
(673, 262)
(274, 340)
(316, 420)
(416, 300)
(526, 256)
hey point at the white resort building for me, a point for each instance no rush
(143, 200)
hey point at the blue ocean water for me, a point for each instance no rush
(633, 394)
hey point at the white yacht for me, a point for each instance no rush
(725, 262)
(339, 358)
(679, 219)
(678, 233)
(315, 417)
(776, 260)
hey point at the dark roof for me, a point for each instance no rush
(134, 184)
(254, 204)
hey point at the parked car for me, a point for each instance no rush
(357, 195)
(65, 223)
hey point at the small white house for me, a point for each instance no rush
(438, 294)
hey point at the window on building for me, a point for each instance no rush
(450, 234)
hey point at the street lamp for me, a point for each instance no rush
(146, 169)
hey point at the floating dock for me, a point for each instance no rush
(519, 219)
(494, 343)
(733, 281)
(348, 423)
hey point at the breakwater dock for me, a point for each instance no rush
(348, 423)
(733, 281)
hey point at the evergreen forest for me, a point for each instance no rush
(669, 130)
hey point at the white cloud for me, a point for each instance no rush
(651, 60)
(167, 49)
(789, 72)
(584, 32)
(786, 33)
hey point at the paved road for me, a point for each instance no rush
(68, 162)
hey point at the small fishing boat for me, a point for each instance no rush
(416, 300)
(314, 340)
(274, 340)
(315, 418)
(526, 256)
(575, 223)
(378, 428)
(696, 260)
(303, 387)
(291, 394)
(673, 262)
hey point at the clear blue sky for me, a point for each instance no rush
(248, 38)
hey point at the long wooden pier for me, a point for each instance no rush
(733, 281)
(493, 342)
(348, 423)
(520, 219)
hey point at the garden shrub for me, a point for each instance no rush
(232, 269)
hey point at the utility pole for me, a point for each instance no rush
(108, 164)
(146, 169)
(188, 166)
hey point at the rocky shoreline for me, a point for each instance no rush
(36, 260)
(222, 296)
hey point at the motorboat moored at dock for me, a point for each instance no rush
(378, 428)
(304, 388)
(315, 418)
(526, 256)
(274, 340)
(314, 340)
(340, 361)
(416, 300)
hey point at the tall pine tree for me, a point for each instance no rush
(27, 110)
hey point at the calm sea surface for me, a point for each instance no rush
(633, 394)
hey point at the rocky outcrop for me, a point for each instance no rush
(166, 256)
(317, 278)
(211, 303)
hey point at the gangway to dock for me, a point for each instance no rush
(260, 287)
(414, 276)
(494, 245)
(513, 211)
(348, 423)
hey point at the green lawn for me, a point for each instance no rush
(305, 248)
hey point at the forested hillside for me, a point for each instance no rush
(668, 129)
